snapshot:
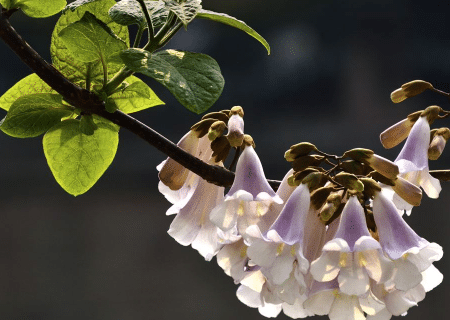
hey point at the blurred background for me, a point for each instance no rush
(107, 254)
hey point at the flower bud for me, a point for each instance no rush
(235, 130)
(438, 142)
(320, 195)
(349, 181)
(237, 110)
(217, 116)
(298, 150)
(296, 178)
(315, 180)
(407, 191)
(370, 186)
(202, 127)
(409, 90)
(398, 132)
(221, 147)
(355, 167)
(333, 201)
(432, 113)
(304, 162)
(216, 130)
(248, 141)
(378, 163)
(358, 154)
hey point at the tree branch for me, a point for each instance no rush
(89, 103)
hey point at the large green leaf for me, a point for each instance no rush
(78, 160)
(92, 40)
(36, 8)
(231, 21)
(185, 10)
(28, 85)
(136, 96)
(126, 12)
(34, 114)
(76, 70)
(193, 78)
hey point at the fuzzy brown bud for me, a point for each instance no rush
(201, 128)
(298, 150)
(220, 147)
(432, 113)
(410, 89)
(398, 132)
(216, 130)
(237, 110)
(349, 181)
(304, 162)
(438, 142)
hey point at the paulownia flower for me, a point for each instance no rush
(412, 160)
(353, 256)
(411, 253)
(249, 197)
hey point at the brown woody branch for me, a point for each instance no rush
(89, 103)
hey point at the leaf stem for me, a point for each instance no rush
(151, 35)
(137, 39)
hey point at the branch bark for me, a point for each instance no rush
(89, 103)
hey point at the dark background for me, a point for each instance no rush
(106, 254)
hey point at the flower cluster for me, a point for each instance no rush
(328, 241)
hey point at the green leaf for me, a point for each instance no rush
(193, 78)
(127, 12)
(92, 40)
(74, 69)
(36, 8)
(136, 96)
(34, 114)
(185, 11)
(28, 85)
(77, 160)
(72, 6)
(231, 21)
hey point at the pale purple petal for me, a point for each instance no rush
(353, 222)
(290, 223)
(250, 176)
(396, 236)
(415, 149)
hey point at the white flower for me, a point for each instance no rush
(249, 197)
(326, 299)
(411, 253)
(192, 224)
(412, 160)
(353, 255)
(193, 199)
(398, 302)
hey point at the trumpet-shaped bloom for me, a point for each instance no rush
(191, 224)
(353, 256)
(412, 160)
(411, 253)
(248, 199)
